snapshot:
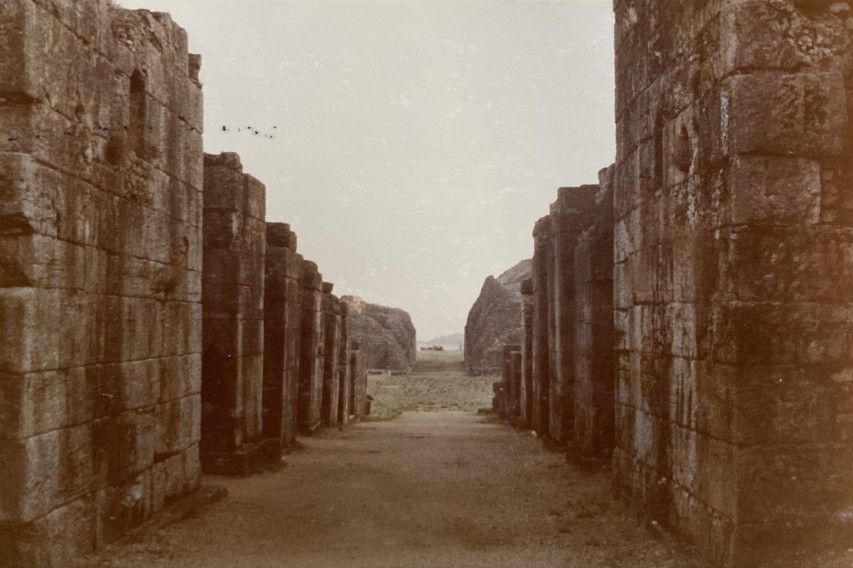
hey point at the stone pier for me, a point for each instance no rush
(568, 217)
(592, 346)
(541, 373)
(507, 406)
(346, 391)
(282, 319)
(358, 377)
(525, 393)
(232, 439)
(311, 349)
(332, 331)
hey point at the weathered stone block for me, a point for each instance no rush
(32, 344)
(180, 376)
(800, 334)
(777, 189)
(762, 36)
(803, 484)
(222, 174)
(178, 425)
(120, 508)
(801, 114)
(31, 404)
(787, 264)
(31, 487)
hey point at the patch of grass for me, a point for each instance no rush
(445, 361)
(438, 382)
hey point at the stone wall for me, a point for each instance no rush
(540, 420)
(232, 439)
(282, 319)
(358, 378)
(733, 247)
(592, 345)
(506, 402)
(552, 322)
(311, 346)
(332, 330)
(731, 256)
(118, 316)
(525, 393)
(570, 214)
(100, 274)
(346, 392)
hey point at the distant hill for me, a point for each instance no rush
(449, 340)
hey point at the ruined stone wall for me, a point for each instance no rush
(311, 347)
(570, 214)
(540, 350)
(733, 243)
(233, 318)
(346, 392)
(100, 274)
(282, 320)
(593, 345)
(525, 394)
(506, 402)
(331, 356)
(358, 377)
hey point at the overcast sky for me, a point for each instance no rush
(411, 144)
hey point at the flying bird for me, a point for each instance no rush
(249, 129)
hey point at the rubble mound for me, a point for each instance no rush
(495, 319)
(386, 335)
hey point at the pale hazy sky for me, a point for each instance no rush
(414, 143)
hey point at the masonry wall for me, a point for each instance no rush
(593, 353)
(540, 349)
(346, 392)
(358, 377)
(506, 401)
(732, 241)
(570, 214)
(100, 274)
(311, 346)
(525, 394)
(332, 331)
(232, 439)
(282, 320)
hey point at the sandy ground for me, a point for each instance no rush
(439, 489)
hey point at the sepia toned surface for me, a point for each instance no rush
(732, 250)
(233, 319)
(593, 355)
(282, 319)
(686, 321)
(100, 274)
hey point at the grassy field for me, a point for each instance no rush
(437, 382)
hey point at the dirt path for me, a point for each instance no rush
(438, 489)
(432, 484)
